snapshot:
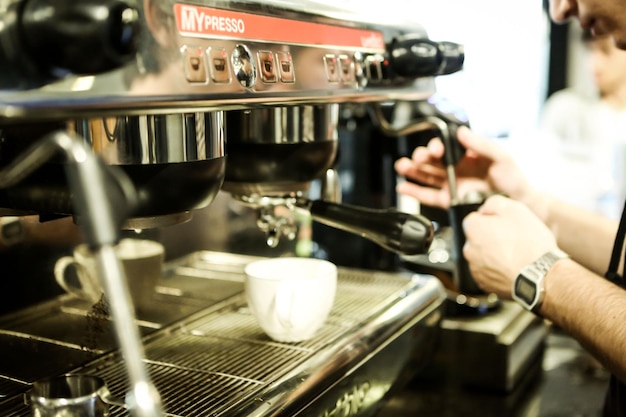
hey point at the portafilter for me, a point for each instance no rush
(275, 153)
(279, 150)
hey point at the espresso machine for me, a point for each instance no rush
(129, 115)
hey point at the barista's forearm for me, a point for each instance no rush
(591, 309)
(587, 237)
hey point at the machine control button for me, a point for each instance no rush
(347, 68)
(359, 70)
(332, 68)
(218, 65)
(373, 67)
(194, 61)
(244, 66)
(268, 66)
(285, 67)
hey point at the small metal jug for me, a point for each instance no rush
(69, 396)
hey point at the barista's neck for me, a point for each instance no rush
(616, 99)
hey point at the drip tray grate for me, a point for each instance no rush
(218, 361)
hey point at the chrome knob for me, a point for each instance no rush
(243, 66)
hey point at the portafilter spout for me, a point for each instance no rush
(407, 234)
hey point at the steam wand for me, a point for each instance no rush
(103, 204)
(445, 124)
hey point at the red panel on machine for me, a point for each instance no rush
(201, 21)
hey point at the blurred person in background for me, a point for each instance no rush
(558, 260)
(589, 130)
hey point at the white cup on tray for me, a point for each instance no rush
(290, 297)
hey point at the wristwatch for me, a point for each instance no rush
(528, 288)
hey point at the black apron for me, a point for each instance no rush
(615, 400)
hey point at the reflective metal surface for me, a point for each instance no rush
(176, 163)
(279, 150)
(69, 395)
(155, 139)
(283, 125)
(187, 60)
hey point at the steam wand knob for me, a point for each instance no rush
(42, 41)
(414, 56)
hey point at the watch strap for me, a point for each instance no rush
(548, 259)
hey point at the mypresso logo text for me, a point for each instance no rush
(207, 22)
(197, 21)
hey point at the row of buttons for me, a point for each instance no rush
(213, 63)
(363, 69)
(339, 68)
(197, 60)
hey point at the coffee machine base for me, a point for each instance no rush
(494, 351)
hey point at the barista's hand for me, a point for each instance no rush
(486, 167)
(502, 237)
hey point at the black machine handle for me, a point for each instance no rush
(415, 56)
(45, 40)
(408, 234)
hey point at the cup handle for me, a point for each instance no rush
(86, 291)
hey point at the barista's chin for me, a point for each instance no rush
(619, 39)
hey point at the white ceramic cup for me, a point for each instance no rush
(290, 297)
(141, 259)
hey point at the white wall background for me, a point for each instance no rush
(504, 82)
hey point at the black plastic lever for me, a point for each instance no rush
(45, 40)
(416, 56)
(404, 233)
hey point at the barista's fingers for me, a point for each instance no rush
(404, 166)
(468, 223)
(495, 204)
(478, 145)
(426, 195)
(431, 153)
(423, 173)
(435, 148)
(467, 250)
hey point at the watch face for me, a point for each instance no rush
(525, 289)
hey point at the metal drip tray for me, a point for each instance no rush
(216, 361)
